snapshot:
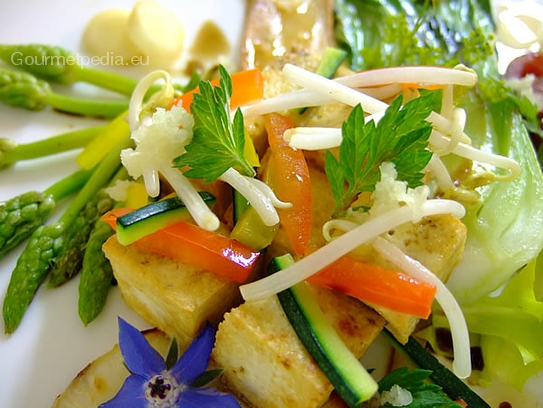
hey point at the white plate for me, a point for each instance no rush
(51, 345)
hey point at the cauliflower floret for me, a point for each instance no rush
(157, 145)
(391, 193)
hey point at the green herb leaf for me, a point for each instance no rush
(218, 142)
(172, 356)
(425, 394)
(206, 377)
(400, 137)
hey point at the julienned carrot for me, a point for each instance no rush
(378, 286)
(247, 86)
(189, 243)
(288, 176)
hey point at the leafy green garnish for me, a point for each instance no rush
(218, 142)
(425, 394)
(400, 137)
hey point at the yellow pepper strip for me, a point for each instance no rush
(110, 135)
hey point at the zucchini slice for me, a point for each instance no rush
(153, 217)
(350, 379)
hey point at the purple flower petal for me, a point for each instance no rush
(195, 359)
(206, 397)
(131, 394)
(139, 356)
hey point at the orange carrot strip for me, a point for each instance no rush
(189, 243)
(415, 86)
(378, 286)
(290, 180)
(247, 86)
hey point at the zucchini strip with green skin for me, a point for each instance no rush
(152, 217)
(350, 379)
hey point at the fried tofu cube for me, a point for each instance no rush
(264, 360)
(176, 297)
(437, 242)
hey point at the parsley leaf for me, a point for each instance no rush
(425, 394)
(400, 137)
(217, 142)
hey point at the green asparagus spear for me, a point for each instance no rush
(20, 216)
(22, 89)
(70, 257)
(96, 271)
(44, 244)
(57, 64)
(96, 274)
(12, 152)
(67, 263)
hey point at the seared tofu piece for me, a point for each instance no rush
(437, 242)
(265, 362)
(176, 297)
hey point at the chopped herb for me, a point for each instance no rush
(400, 137)
(218, 142)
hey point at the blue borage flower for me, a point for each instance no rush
(151, 384)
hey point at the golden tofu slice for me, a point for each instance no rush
(102, 379)
(265, 363)
(176, 297)
(437, 242)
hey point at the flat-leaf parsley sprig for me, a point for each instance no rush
(400, 137)
(404, 387)
(152, 384)
(217, 148)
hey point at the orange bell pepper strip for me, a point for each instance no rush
(376, 285)
(189, 243)
(247, 86)
(289, 178)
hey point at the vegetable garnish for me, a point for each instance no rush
(48, 242)
(204, 249)
(160, 138)
(20, 216)
(218, 142)
(405, 387)
(24, 90)
(11, 152)
(108, 135)
(217, 148)
(342, 245)
(510, 327)
(153, 217)
(453, 386)
(378, 286)
(349, 378)
(57, 64)
(153, 383)
(288, 176)
(247, 87)
(369, 82)
(400, 137)
(449, 305)
(448, 136)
